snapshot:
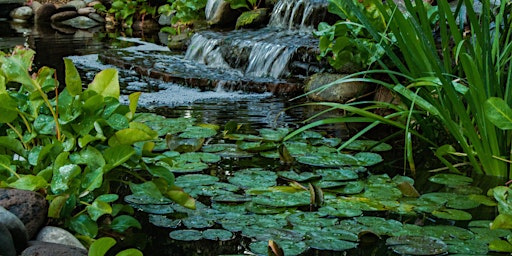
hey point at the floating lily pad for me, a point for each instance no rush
(186, 235)
(273, 134)
(368, 145)
(382, 192)
(311, 219)
(194, 132)
(469, 247)
(195, 180)
(183, 167)
(143, 199)
(300, 177)
(163, 221)
(249, 137)
(153, 208)
(193, 157)
(256, 146)
(333, 232)
(289, 247)
(445, 232)
(331, 244)
(417, 245)
(331, 142)
(234, 208)
(349, 188)
(283, 199)
(380, 226)
(264, 209)
(226, 150)
(452, 214)
(231, 198)
(198, 221)
(461, 202)
(272, 154)
(218, 235)
(333, 159)
(368, 158)
(269, 233)
(340, 212)
(255, 177)
(450, 179)
(337, 174)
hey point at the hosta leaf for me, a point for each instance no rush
(106, 83)
(82, 224)
(124, 222)
(29, 182)
(101, 246)
(73, 81)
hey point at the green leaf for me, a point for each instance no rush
(101, 246)
(123, 222)
(499, 113)
(73, 81)
(82, 224)
(130, 252)
(106, 83)
(98, 209)
(131, 135)
(63, 176)
(15, 68)
(134, 99)
(8, 108)
(29, 182)
(182, 198)
(118, 154)
(500, 246)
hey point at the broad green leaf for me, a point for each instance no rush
(63, 176)
(499, 113)
(118, 154)
(101, 246)
(131, 135)
(451, 179)
(73, 81)
(500, 246)
(5, 164)
(182, 198)
(417, 245)
(8, 108)
(134, 100)
(130, 252)
(106, 83)
(15, 68)
(98, 209)
(29, 182)
(162, 172)
(45, 124)
(123, 222)
(452, 214)
(82, 224)
(56, 206)
(13, 145)
(502, 221)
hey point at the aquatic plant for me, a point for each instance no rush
(79, 147)
(128, 11)
(455, 86)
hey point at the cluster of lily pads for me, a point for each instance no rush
(313, 197)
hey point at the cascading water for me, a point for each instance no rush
(266, 52)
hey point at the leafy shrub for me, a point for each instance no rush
(129, 11)
(79, 147)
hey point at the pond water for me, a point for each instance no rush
(353, 235)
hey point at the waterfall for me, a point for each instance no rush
(297, 14)
(211, 7)
(206, 51)
(269, 59)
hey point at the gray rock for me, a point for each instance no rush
(58, 235)
(86, 11)
(44, 13)
(35, 5)
(165, 20)
(30, 207)
(23, 13)
(62, 16)
(78, 4)
(92, 3)
(253, 19)
(96, 17)
(16, 228)
(6, 242)
(337, 92)
(37, 248)
(81, 22)
(219, 12)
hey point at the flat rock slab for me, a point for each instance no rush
(12, 2)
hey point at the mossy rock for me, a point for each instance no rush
(337, 92)
(253, 19)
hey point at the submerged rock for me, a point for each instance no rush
(253, 19)
(337, 92)
(37, 248)
(15, 227)
(81, 22)
(22, 14)
(6, 242)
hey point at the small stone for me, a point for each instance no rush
(58, 235)
(37, 248)
(6, 242)
(78, 4)
(81, 22)
(165, 20)
(338, 92)
(23, 13)
(30, 207)
(92, 3)
(44, 13)
(16, 228)
(86, 11)
(62, 16)
(35, 5)
(96, 17)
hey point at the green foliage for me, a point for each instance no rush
(455, 96)
(129, 11)
(244, 4)
(184, 11)
(78, 147)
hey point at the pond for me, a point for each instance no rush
(306, 196)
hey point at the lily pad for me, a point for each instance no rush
(452, 214)
(368, 145)
(289, 247)
(163, 221)
(198, 221)
(283, 199)
(368, 158)
(450, 179)
(340, 212)
(349, 188)
(254, 177)
(218, 235)
(195, 180)
(445, 232)
(194, 132)
(273, 134)
(311, 219)
(231, 198)
(143, 199)
(337, 174)
(153, 208)
(331, 244)
(300, 177)
(186, 235)
(256, 146)
(417, 245)
(226, 150)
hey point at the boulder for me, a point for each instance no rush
(16, 229)
(22, 14)
(30, 207)
(96, 17)
(78, 4)
(44, 13)
(81, 22)
(35, 5)
(37, 248)
(86, 11)
(62, 16)
(337, 92)
(257, 18)
(219, 13)
(58, 235)
(6, 242)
